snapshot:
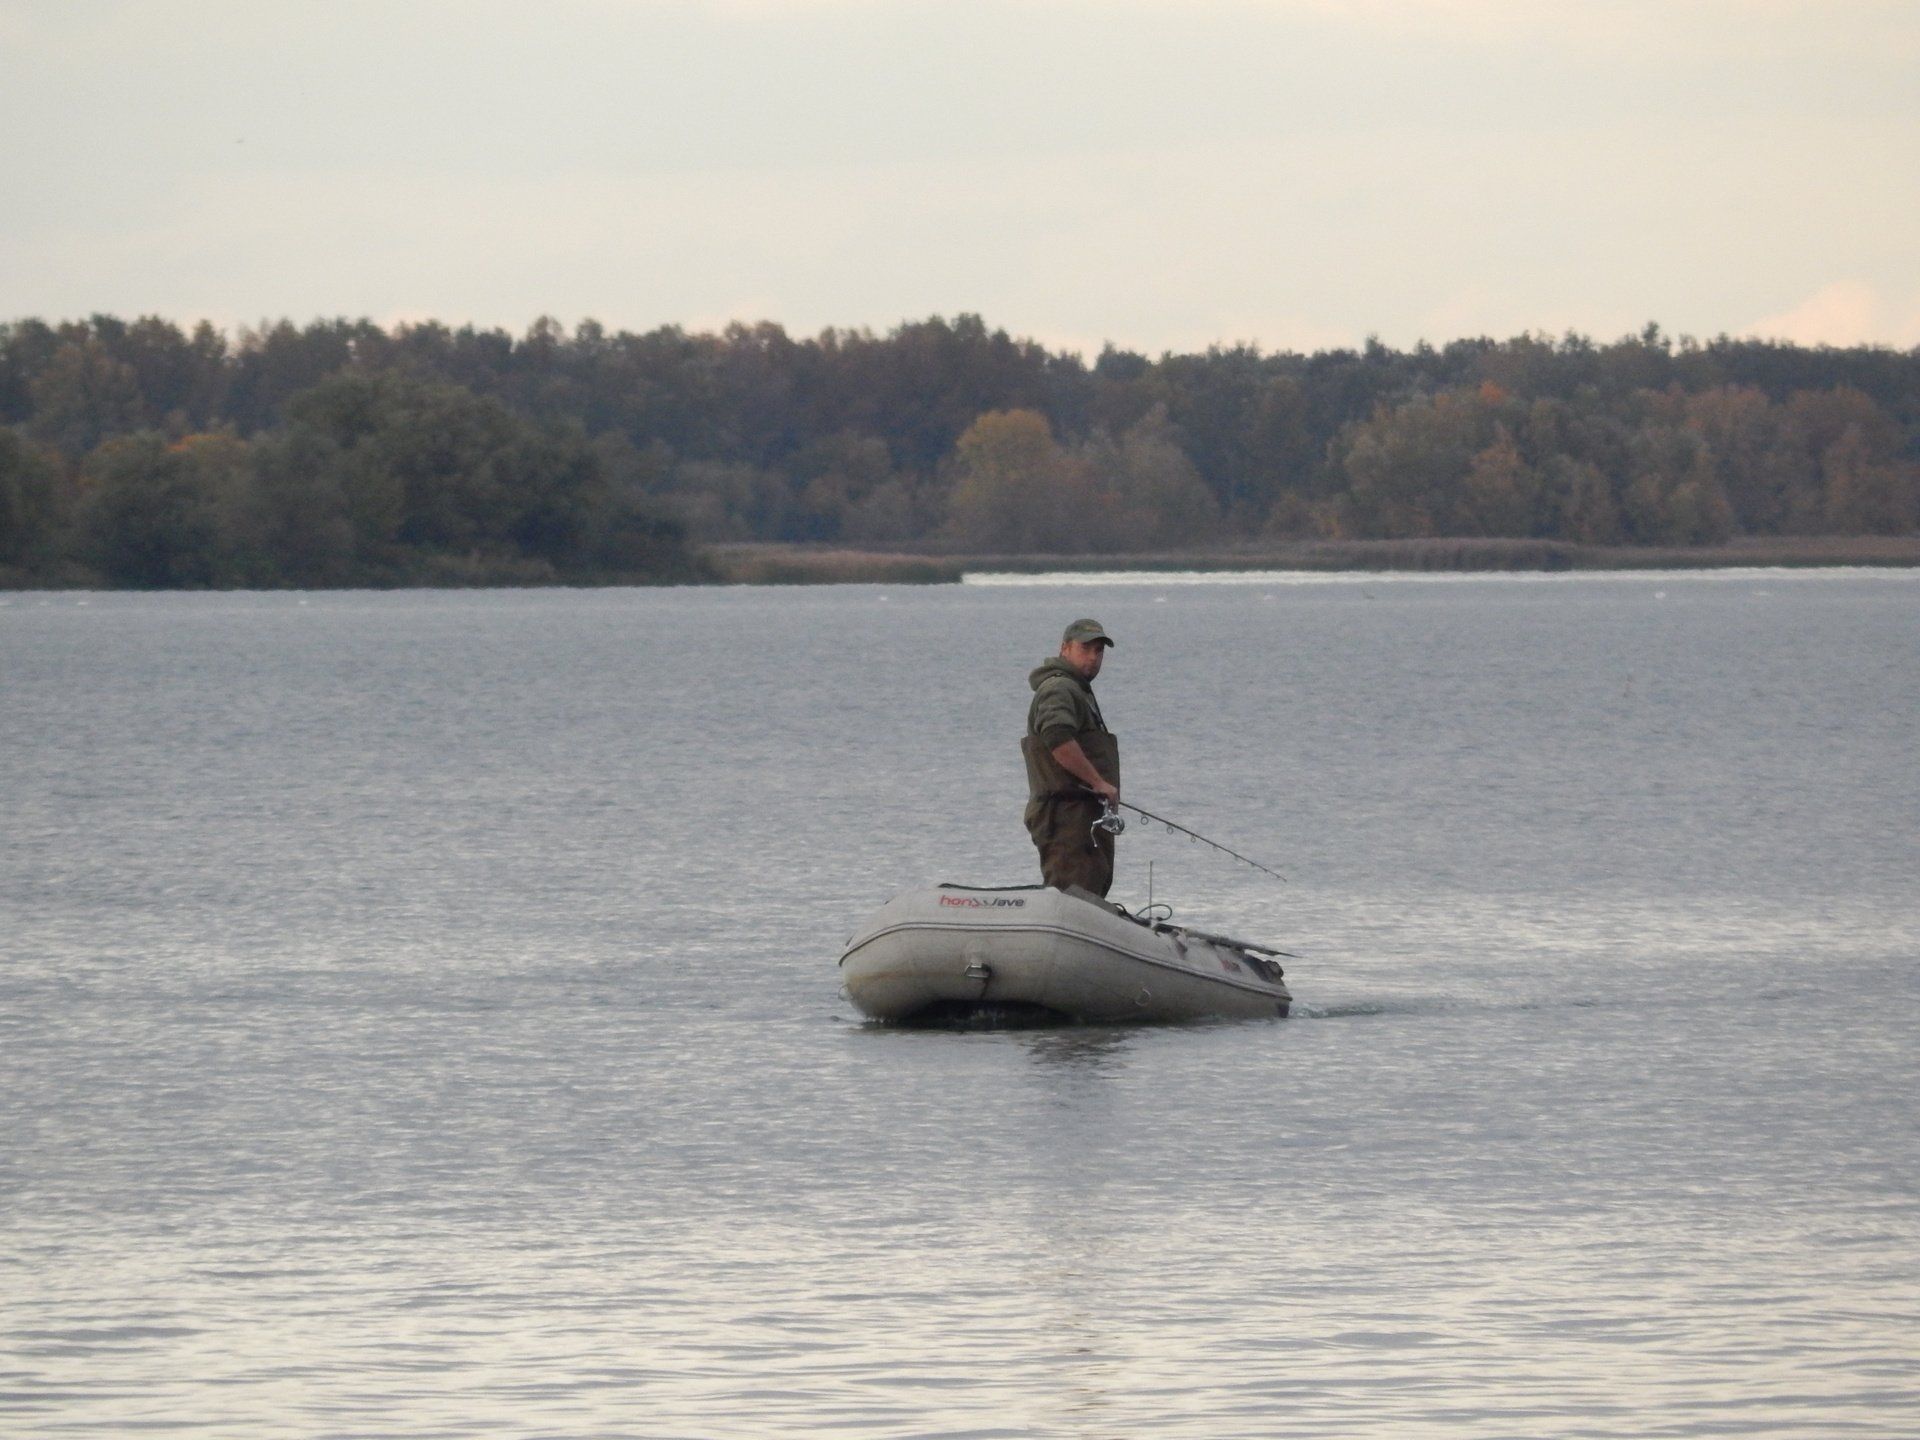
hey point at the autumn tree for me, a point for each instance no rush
(1673, 496)
(1014, 490)
(1868, 493)
(1767, 476)
(1145, 492)
(1404, 467)
(1584, 504)
(1500, 494)
(84, 396)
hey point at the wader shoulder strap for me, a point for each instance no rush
(1102, 747)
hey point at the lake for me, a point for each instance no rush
(418, 1015)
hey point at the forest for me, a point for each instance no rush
(345, 453)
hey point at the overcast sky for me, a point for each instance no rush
(1162, 174)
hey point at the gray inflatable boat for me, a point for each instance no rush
(1030, 954)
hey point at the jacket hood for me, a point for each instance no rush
(1056, 666)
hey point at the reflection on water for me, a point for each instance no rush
(1639, 579)
(1081, 1050)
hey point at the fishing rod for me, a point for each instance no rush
(1110, 820)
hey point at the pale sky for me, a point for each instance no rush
(1162, 174)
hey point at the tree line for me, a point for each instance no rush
(342, 452)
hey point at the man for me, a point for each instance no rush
(1073, 764)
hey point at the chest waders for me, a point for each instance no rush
(1061, 811)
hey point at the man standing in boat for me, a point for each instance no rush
(1073, 764)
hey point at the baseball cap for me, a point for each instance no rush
(1087, 631)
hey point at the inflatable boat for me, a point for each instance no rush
(1030, 954)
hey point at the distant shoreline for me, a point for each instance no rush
(774, 563)
(787, 564)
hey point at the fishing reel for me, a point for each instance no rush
(1110, 819)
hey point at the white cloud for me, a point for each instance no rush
(1623, 25)
(1846, 312)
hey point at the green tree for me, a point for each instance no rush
(305, 523)
(36, 505)
(418, 463)
(837, 476)
(895, 511)
(439, 451)
(83, 396)
(165, 515)
(716, 500)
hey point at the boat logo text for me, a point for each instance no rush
(974, 902)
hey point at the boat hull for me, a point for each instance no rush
(1034, 953)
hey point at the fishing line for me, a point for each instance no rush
(1113, 823)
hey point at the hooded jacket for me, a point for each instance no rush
(1063, 706)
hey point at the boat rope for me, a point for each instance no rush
(1111, 821)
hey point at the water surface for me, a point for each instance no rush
(418, 1016)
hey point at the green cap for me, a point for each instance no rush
(1087, 630)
